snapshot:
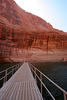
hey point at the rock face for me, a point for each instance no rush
(26, 30)
(13, 14)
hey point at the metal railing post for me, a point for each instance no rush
(32, 71)
(6, 75)
(12, 70)
(41, 82)
(35, 76)
(5, 78)
(18, 66)
(65, 96)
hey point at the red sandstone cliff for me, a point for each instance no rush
(27, 30)
(13, 14)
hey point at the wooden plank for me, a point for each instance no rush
(21, 86)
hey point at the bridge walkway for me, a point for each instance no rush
(21, 86)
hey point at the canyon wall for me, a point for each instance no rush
(22, 30)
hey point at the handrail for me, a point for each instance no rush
(52, 81)
(65, 93)
(9, 68)
(45, 86)
(14, 67)
(8, 73)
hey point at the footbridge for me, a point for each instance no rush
(23, 83)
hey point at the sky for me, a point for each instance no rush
(52, 11)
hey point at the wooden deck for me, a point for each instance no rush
(21, 86)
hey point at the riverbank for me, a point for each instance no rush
(38, 55)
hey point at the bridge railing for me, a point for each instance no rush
(8, 72)
(35, 70)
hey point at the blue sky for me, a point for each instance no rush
(57, 16)
(53, 11)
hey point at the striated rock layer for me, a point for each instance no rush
(22, 30)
